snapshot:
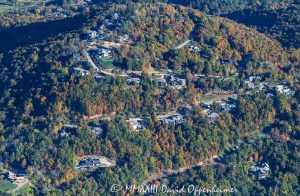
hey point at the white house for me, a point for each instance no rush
(96, 130)
(103, 52)
(138, 125)
(261, 170)
(92, 34)
(81, 71)
(133, 81)
(195, 48)
(115, 16)
(174, 119)
(212, 116)
(285, 90)
(64, 134)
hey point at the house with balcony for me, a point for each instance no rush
(260, 170)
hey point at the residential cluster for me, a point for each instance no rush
(68, 129)
(12, 176)
(173, 80)
(101, 41)
(161, 80)
(285, 90)
(93, 162)
(172, 119)
(225, 105)
(15, 178)
(255, 82)
(110, 31)
(140, 124)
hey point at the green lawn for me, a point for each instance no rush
(5, 5)
(28, 189)
(107, 63)
(209, 98)
(6, 185)
(4, 1)
(3, 8)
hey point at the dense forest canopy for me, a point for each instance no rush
(40, 94)
(281, 23)
(278, 19)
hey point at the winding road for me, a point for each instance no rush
(208, 161)
(168, 172)
(90, 60)
(20, 185)
(183, 44)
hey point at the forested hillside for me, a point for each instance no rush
(41, 94)
(277, 19)
(233, 170)
(218, 7)
(219, 40)
(281, 23)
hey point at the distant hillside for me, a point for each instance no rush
(282, 23)
(218, 7)
(276, 18)
(41, 92)
(157, 29)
